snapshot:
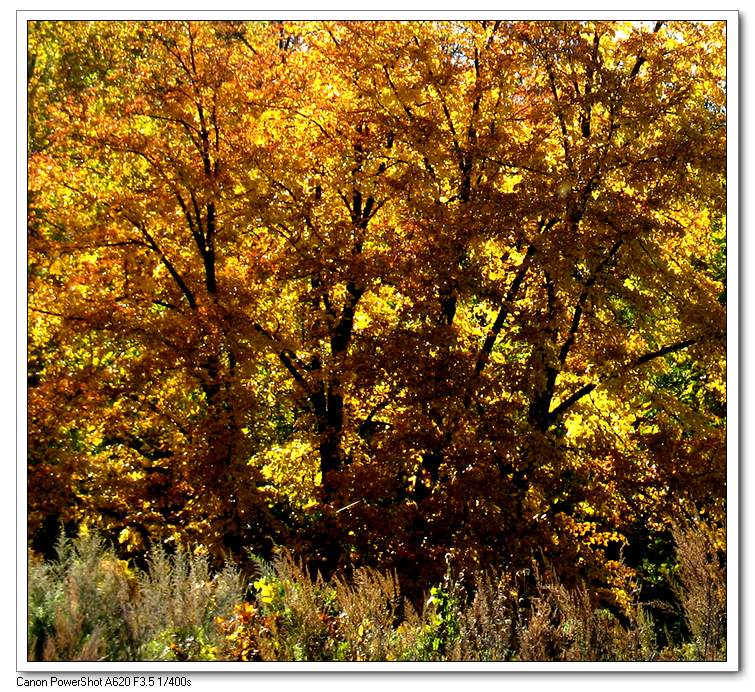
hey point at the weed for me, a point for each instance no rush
(88, 605)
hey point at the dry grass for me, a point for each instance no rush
(700, 587)
(89, 605)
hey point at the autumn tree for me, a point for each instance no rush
(393, 292)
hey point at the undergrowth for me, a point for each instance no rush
(88, 605)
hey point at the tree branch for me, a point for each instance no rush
(671, 348)
(583, 391)
(503, 312)
(168, 265)
(286, 356)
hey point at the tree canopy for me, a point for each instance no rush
(389, 293)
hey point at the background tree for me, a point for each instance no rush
(386, 291)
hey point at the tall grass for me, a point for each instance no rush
(90, 606)
(87, 605)
(700, 587)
